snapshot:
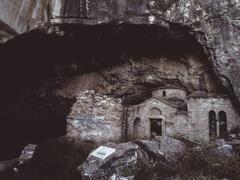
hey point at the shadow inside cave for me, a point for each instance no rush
(30, 111)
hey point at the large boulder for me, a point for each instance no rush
(163, 148)
(171, 149)
(140, 159)
(119, 160)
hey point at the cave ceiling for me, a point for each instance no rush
(204, 19)
(127, 49)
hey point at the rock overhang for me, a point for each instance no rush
(203, 19)
(214, 25)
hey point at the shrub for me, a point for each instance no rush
(200, 163)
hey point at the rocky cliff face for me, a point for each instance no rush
(120, 49)
(214, 23)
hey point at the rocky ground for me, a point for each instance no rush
(161, 158)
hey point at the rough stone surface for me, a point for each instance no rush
(203, 18)
(95, 118)
(134, 81)
(125, 157)
(17, 17)
(131, 159)
(198, 110)
(172, 149)
(207, 18)
(27, 153)
(137, 77)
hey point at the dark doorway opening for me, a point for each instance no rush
(212, 124)
(156, 127)
(222, 123)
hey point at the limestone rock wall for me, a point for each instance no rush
(23, 15)
(203, 18)
(216, 26)
(95, 118)
(214, 23)
(136, 77)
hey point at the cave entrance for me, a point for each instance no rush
(222, 123)
(39, 78)
(155, 127)
(212, 124)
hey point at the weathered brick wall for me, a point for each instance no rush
(95, 118)
(198, 113)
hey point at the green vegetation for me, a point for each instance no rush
(200, 163)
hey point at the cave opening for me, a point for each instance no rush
(36, 66)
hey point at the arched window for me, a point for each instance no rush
(212, 124)
(137, 128)
(164, 94)
(222, 123)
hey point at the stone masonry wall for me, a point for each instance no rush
(168, 115)
(177, 125)
(95, 118)
(198, 112)
(181, 94)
